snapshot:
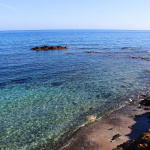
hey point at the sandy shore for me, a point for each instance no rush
(114, 129)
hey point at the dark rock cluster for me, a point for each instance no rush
(144, 58)
(141, 143)
(145, 101)
(49, 48)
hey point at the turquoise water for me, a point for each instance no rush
(45, 95)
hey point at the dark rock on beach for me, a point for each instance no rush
(49, 48)
(115, 137)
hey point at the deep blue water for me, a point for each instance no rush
(46, 94)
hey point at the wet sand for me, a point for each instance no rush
(112, 130)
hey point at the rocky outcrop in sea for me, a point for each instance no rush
(49, 48)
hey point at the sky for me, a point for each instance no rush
(75, 14)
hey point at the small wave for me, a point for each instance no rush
(91, 52)
(89, 48)
(95, 48)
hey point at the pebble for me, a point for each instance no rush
(91, 118)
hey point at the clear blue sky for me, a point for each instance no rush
(74, 14)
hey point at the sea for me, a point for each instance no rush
(45, 96)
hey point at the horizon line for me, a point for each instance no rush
(73, 29)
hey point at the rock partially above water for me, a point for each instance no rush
(49, 48)
(127, 48)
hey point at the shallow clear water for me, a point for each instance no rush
(46, 94)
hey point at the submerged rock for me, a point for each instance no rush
(56, 83)
(143, 58)
(91, 52)
(147, 71)
(49, 48)
(127, 48)
(69, 53)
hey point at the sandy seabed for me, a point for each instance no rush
(120, 126)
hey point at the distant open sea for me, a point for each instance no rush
(46, 95)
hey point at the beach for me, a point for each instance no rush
(122, 125)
